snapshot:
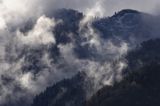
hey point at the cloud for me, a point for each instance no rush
(19, 49)
(17, 14)
(40, 34)
(110, 6)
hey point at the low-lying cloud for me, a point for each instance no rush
(26, 66)
(41, 33)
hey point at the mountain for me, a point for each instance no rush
(126, 24)
(68, 92)
(70, 24)
(144, 54)
(140, 77)
(140, 87)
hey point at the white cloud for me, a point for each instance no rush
(14, 13)
(3, 24)
(42, 33)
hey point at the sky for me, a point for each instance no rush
(13, 15)
(16, 11)
(110, 6)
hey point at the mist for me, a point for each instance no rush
(17, 47)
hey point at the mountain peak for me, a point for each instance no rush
(126, 11)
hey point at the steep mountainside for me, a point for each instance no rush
(126, 24)
(68, 92)
(140, 87)
(143, 62)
